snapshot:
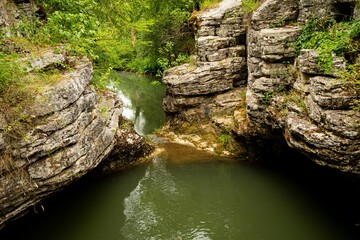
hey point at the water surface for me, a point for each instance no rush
(189, 194)
(142, 98)
(193, 200)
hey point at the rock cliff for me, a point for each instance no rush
(76, 128)
(65, 130)
(287, 96)
(210, 84)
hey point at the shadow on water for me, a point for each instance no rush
(175, 197)
(188, 194)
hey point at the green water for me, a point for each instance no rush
(188, 194)
(142, 98)
(194, 200)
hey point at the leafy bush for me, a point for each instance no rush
(168, 58)
(208, 3)
(352, 78)
(9, 70)
(328, 37)
(250, 5)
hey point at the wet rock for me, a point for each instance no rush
(129, 148)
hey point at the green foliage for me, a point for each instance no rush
(250, 5)
(10, 70)
(128, 35)
(102, 78)
(209, 3)
(169, 59)
(352, 78)
(328, 37)
(266, 100)
(224, 139)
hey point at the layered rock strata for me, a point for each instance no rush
(292, 94)
(75, 129)
(287, 96)
(205, 87)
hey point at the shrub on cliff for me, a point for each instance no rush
(9, 70)
(329, 37)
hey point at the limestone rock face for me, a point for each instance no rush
(219, 66)
(10, 11)
(339, 9)
(76, 130)
(287, 96)
(328, 130)
(295, 95)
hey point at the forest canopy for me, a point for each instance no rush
(146, 36)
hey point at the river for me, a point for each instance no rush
(188, 194)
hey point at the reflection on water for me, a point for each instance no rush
(221, 200)
(190, 200)
(192, 195)
(142, 101)
(142, 209)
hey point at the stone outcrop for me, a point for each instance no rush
(12, 10)
(8, 13)
(218, 69)
(74, 129)
(294, 95)
(287, 96)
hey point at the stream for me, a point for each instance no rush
(188, 194)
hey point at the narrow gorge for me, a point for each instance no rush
(247, 93)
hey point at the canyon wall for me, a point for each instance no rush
(64, 130)
(210, 84)
(287, 96)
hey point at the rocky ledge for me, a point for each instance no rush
(75, 128)
(210, 84)
(287, 96)
(201, 96)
